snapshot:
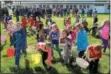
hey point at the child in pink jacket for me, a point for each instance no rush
(104, 34)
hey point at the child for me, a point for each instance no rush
(41, 25)
(41, 36)
(46, 55)
(77, 19)
(46, 32)
(85, 25)
(31, 21)
(63, 36)
(37, 23)
(94, 29)
(40, 30)
(4, 21)
(94, 55)
(73, 34)
(64, 21)
(48, 21)
(68, 28)
(82, 40)
(8, 18)
(24, 22)
(67, 52)
(11, 30)
(32, 26)
(104, 34)
(54, 36)
(95, 19)
(68, 21)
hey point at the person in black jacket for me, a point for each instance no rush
(85, 25)
(43, 12)
(37, 13)
(5, 11)
(28, 13)
(65, 10)
(48, 20)
(83, 11)
(49, 11)
(17, 13)
(95, 19)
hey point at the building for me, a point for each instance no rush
(102, 6)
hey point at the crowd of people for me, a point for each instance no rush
(53, 36)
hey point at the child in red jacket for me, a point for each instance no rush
(24, 21)
(94, 55)
(31, 23)
(46, 52)
(37, 24)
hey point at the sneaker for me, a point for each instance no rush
(17, 67)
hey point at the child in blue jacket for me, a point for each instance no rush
(82, 40)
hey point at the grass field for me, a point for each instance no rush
(7, 64)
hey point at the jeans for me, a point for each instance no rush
(105, 44)
(17, 56)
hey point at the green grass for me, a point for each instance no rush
(7, 64)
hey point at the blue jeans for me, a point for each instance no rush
(105, 43)
(17, 56)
